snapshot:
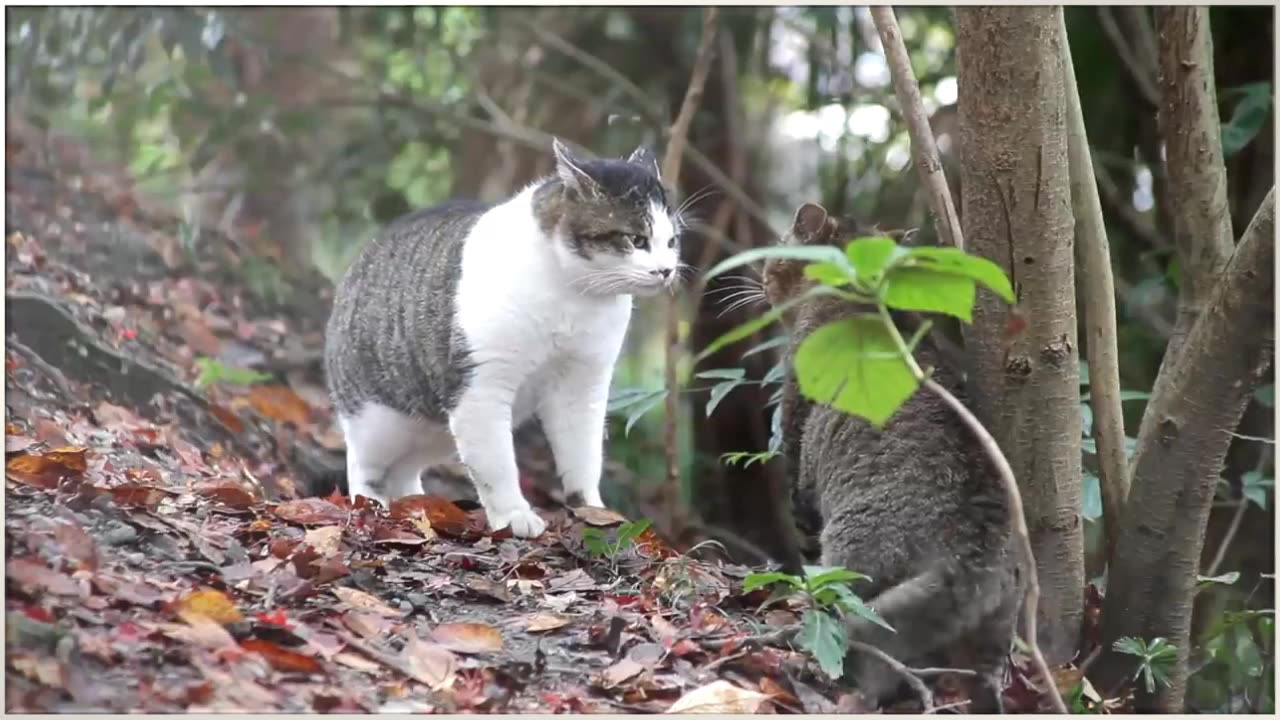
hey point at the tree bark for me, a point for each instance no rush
(1017, 213)
(1191, 130)
(1179, 457)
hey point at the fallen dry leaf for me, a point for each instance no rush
(431, 664)
(443, 514)
(16, 444)
(36, 578)
(620, 672)
(77, 544)
(391, 535)
(721, 697)
(357, 662)
(365, 601)
(48, 469)
(598, 516)
(542, 622)
(229, 496)
(280, 403)
(281, 658)
(136, 495)
(208, 603)
(199, 630)
(326, 540)
(229, 419)
(468, 638)
(310, 511)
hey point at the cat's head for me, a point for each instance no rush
(785, 279)
(613, 223)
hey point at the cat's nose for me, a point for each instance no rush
(664, 273)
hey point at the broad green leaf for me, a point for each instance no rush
(593, 541)
(911, 288)
(854, 365)
(746, 329)
(1255, 487)
(630, 531)
(823, 636)
(854, 604)
(818, 576)
(797, 252)
(1247, 118)
(1130, 646)
(723, 374)
(1091, 497)
(829, 273)
(870, 256)
(776, 373)
(958, 262)
(759, 580)
(640, 411)
(718, 393)
(769, 344)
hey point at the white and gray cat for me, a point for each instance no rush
(460, 322)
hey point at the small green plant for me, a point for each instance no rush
(830, 590)
(1155, 659)
(212, 371)
(598, 543)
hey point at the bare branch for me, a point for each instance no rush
(921, 690)
(1142, 74)
(1093, 258)
(926, 150)
(679, 138)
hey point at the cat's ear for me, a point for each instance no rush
(810, 220)
(644, 156)
(570, 171)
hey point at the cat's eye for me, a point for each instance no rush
(639, 242)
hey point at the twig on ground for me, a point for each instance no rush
(921, 690)
(926, 150)
(936, 184)
(1093, 258)
(679, 138)
(1142, 74)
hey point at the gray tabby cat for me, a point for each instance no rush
(460, 322)
(917, 506)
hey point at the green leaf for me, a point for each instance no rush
(958, 262)
(1247, 118)
(593, 540)
(799, 252)
(817, 576)
(928, 291)
(871, 256)
(718, 393)
(628, 532)
(854, 604)
(824, 638)
(776, 373)
(755, 581)
(640, 411)
(1255, 487)
(829, 273)
(854, 365)
(1130, 646)
(746, 329)
(1266, 395)
(723, 374)
(767, 345)
(625, 398)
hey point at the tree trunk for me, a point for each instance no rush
(1017, 213)
(1179, 457)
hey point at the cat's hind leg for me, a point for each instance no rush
(379, 442)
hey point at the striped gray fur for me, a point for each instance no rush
(392, 337)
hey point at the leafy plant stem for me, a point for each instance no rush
(1018, 516)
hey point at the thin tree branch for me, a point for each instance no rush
(671, 176)
(1093, 258)
(1236, 519)
(926, 150)
(921, 690)
(1142, 74)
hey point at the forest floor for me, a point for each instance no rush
(164, 550)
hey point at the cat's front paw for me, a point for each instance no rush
(589, 498)
(523, 521)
